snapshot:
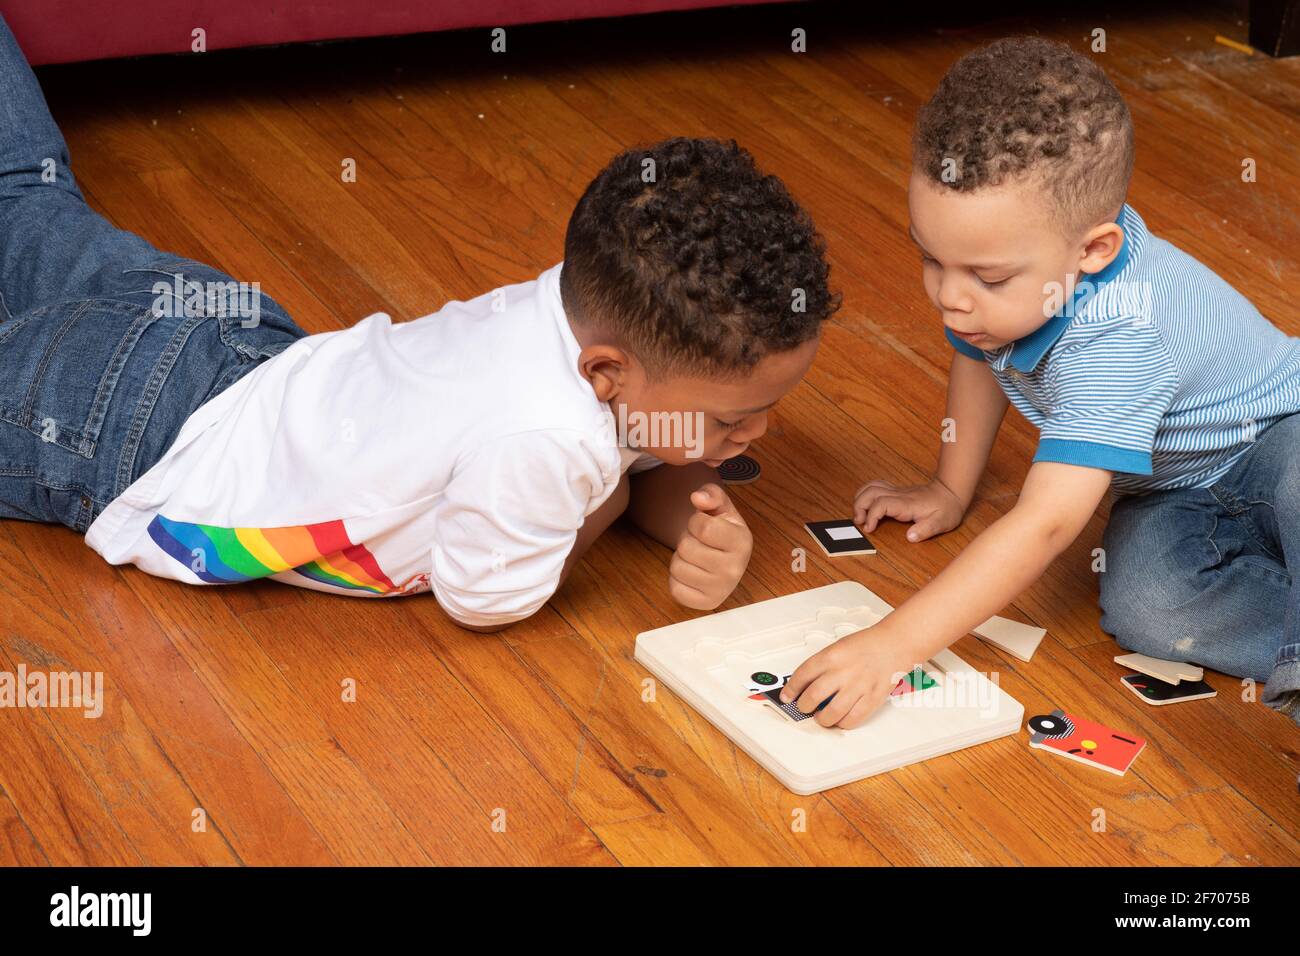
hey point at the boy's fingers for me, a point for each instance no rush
(816, 692)
(869, 493)
(694, 551)
(717, 531)
(703, 498)
(688, 596)
(925, 528)
(712, 500)
(930, 525)
(727, 535)
(692, 575)
(716, 566)
(709, 532)
(897, 508)
(860, 505)
(803, 675)
(874, 485)
(858, 714)
(837, 709)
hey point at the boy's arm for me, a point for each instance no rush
(1055, 504)
(685, 508)
(659, 503)
(594, 525)
(592, 528)
(856, 672)
(661, 499)
(976, 405)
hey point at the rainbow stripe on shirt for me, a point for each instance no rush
(322, 552)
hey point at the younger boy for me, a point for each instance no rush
(1149, 376)
(474, 452)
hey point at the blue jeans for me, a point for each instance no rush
(101, 361)
(1208, 575)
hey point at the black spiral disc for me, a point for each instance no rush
(740, 470)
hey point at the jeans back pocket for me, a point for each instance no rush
(61, 364)
(251, 324)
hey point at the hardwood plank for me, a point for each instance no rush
(317, 773)
(18, 846)
(443, 789)
(243, 802)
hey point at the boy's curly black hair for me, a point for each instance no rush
(695, 259)
(1030, 108)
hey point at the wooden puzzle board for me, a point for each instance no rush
(709, 662)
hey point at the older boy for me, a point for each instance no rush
(475, 452)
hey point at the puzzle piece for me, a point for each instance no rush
(741, 470)
(1171, 672)
(1018, 640)
(1154, 691)
(760, 682)
(839, 538)
(1084, 741)
(918, 679)
(791, 709)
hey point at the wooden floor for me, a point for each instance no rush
(467, 166)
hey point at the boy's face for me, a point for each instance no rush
(692, 418)
(994, 264)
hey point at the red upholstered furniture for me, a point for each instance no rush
(59, 31)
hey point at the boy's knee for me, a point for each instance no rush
(1282, 442)
(1133, 613)
(1137, 628)
(1288, 491)
(47, 178)
(1125, 592)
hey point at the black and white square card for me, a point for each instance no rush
(839, 538)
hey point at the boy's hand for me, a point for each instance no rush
(931, 508)
(860, 669)
(712, 553)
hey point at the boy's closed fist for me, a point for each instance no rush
(931, 508)
(713, 551)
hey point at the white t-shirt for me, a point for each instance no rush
(459, 452)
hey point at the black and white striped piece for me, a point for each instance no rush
(791, 709)
(740, 470)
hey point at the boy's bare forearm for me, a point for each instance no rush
(1003, 561)
(976, 406)
(661, 499)
(987, 576)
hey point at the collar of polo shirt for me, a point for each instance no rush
(1027, 352)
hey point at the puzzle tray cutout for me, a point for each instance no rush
(708, 661)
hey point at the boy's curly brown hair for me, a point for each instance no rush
(1026, 108)
(695, 259)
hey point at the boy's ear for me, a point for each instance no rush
(1100, 247)
(606, 367)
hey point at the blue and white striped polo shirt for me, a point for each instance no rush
(1158, 370)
